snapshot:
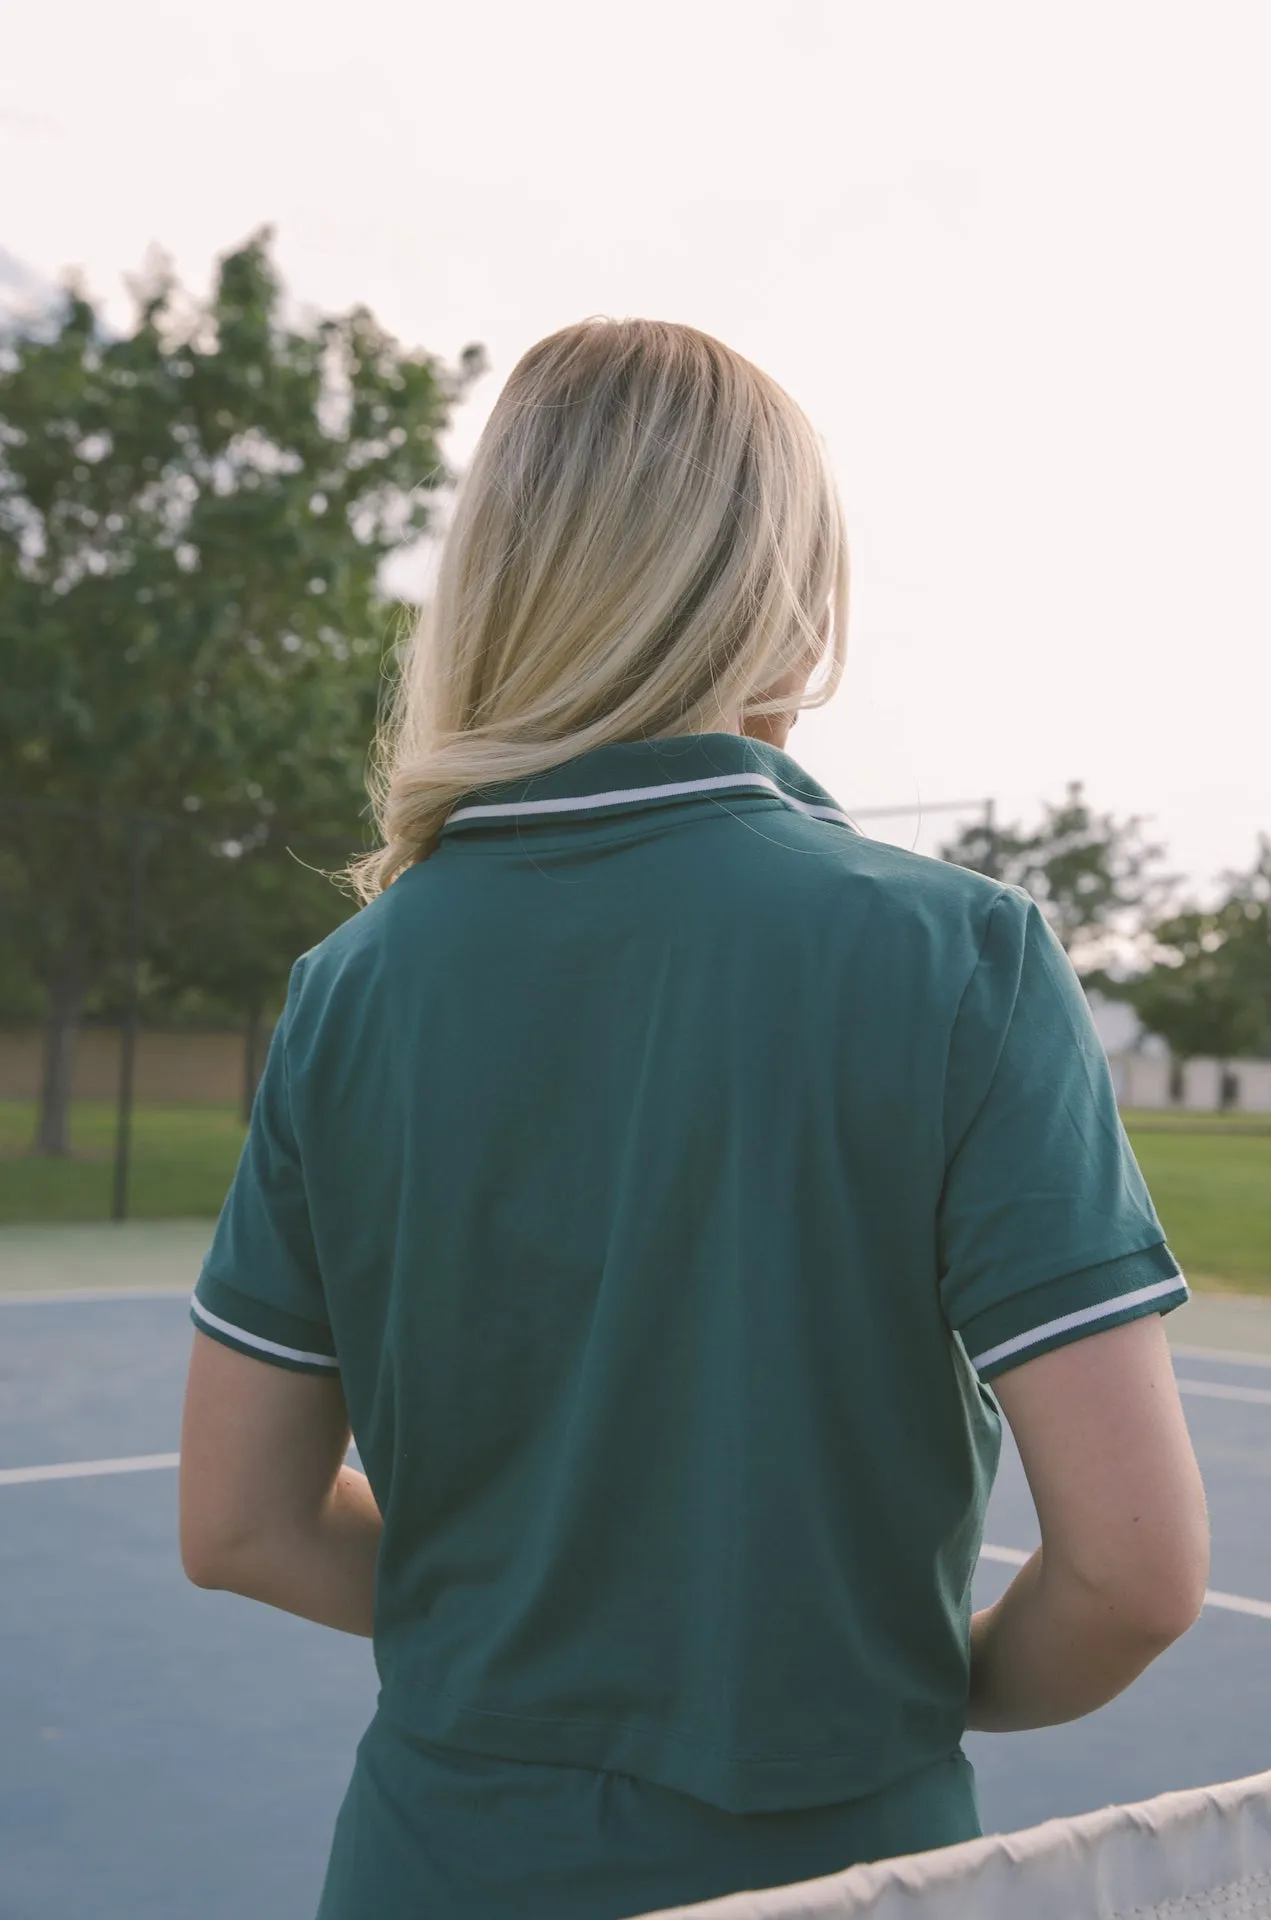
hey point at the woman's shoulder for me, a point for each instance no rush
(905, 886)
(352, 947)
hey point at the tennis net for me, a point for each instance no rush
(1204, 1854)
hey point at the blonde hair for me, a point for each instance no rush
(647, 538)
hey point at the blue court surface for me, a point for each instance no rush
(168, 1751)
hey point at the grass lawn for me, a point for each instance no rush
(1213, 1193)
(1212, 1188)
(1181, 1120)
(182, 1161)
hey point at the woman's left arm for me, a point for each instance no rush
(268, 1509)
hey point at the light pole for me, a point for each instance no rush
(128, 1032)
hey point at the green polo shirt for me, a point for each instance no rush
(666, 1167)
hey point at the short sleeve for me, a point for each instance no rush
(1046, 1231)
(260, 1289)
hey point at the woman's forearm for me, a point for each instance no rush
(1051, 1651)
(323, 1570)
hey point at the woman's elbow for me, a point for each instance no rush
(1177, 1604)
(212, 1554)
(1162, 1595)
(201, 1562)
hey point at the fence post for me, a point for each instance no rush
(128, 1032)
(251, 1062)
(990, 837)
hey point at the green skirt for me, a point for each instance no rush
(433, 1833)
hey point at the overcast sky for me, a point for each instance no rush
(1011, 259)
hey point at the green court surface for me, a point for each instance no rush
(1209, 1174)
(164, 1256)
(102, 1257)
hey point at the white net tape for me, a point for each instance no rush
(1181, 1856)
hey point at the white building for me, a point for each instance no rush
(1145, 1074)
(1120, 1029)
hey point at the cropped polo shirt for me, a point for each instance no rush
(667, 1170)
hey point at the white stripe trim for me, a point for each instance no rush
(86, 1469)
(1228, 1602)
(575, 803)
(254, 1339)
(1084, 1317)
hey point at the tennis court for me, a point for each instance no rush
(170, 1751)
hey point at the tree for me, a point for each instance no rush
(193, 519)
(1090, 874)
(234, 919)
(1208, 991)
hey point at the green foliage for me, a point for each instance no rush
(20, 996)
(233, 923)
(1205, 987)
(1090, 874)
(193, 520)
(1208, 992)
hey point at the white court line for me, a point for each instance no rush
(1227, 1354)
(1218, 1390)
(1229, 1602)
(1236, 1603)
(1009, 1556)
(75, 1296)
(147, 1462)
(86, 1469)
(91, 1469)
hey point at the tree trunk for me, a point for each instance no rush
(253, 1062)
(61, 1030)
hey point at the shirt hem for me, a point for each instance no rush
(756, 1784)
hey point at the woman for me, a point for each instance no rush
(652, 1178)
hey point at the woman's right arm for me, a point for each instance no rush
(1124, 1560)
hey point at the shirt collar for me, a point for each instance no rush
(632, 776)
